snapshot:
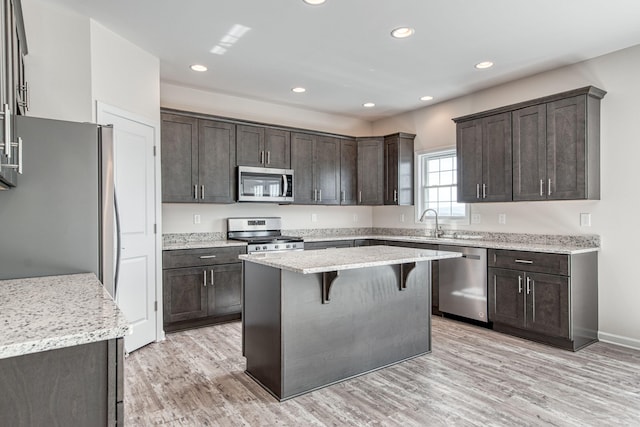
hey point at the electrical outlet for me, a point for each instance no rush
(401, 217)
(476, 219)
(196, 219)
(355, 217)
(502, 218)
(585, 220)
(314, 217)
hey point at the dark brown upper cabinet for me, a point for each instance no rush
(484, 159)
(263, 147)
(348, 172)
(398, 169)
(199, 158)
(370, 170)
(554, 150)
(315, 160)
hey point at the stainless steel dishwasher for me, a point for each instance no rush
(463, 283)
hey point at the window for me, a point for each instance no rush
(437, 189)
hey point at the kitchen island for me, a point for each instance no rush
(61, 352)
(314, 318)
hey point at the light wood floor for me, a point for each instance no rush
(473, 377)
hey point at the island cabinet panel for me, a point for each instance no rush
(551, 298)
(370, 171)
(398, 169)
(295, 344)
(199, 158)
(73, 386)
(201, 286)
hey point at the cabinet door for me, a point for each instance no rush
(184, 294)
(302, 145)
(506, 298)
(548, 304)
(496, 158)
(250, 146)
(326, 167)
(277, 145)
(348, 172)
(566, 148)
(179, 147)
(216, 161)
(225, 289)
(391, 148)
(370, 171)
(530, 153)
(469, 154)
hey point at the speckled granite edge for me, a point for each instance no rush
(337, 259)
(48, 313)
(185, 238)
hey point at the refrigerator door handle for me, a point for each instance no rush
(118, 245)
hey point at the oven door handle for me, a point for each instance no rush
(285, 185)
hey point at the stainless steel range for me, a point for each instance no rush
(262, 235)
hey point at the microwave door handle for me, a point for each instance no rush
(285, 187)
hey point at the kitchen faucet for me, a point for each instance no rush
(438, 231)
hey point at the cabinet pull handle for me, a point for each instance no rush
(359, 196)
(519, 284)
(195, 192)
(7, 130)
(542, 187)
(523, 261)
(315, 194)
(202, 192)
(268, 157)
(204, 278)
(211, 277)
(484, 191)
(320, 195)
(477, 191)
(528, 285)
(395, 195)
(343, 197)
(285, 185)
(262, 157)
(549, 187)
(207, 256)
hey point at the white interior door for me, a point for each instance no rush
(134, 173)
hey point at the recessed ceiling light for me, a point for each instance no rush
(426, 98)
(402, 32)
(314, 2)
(484, 64)
(298, 90)
(198, 67)
(368, 105)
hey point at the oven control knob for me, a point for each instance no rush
(277, 246)
(288, 246)
(264, 247)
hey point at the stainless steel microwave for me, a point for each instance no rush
(265, 185)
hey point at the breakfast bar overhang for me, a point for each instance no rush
(314, 318)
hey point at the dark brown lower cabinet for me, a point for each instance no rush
(560, 309)
(202, 295)
(81, 385)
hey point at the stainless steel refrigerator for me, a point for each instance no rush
(60, 219)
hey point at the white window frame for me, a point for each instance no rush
(419, 202)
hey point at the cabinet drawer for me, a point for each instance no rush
(197, 257)
(530, 261)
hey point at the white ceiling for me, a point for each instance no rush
(342, 51)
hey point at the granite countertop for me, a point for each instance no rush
(556, 248)
(309, 262)
(47, 313)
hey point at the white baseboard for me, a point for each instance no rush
(619, 340)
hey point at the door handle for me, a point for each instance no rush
(542, 187)
(202, 192)
(204, 278)
(484, 191)
(519, 284)
(477, 191)
(211, 277)
(268, 157)
(359, 196)
(549, 187)
(528, 285)
(195, 192)
(262, 157)
(207, 256)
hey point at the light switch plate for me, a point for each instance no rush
(196, 219)
(585, 220)
(314, 217)
(476, 219)
(502, 218)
